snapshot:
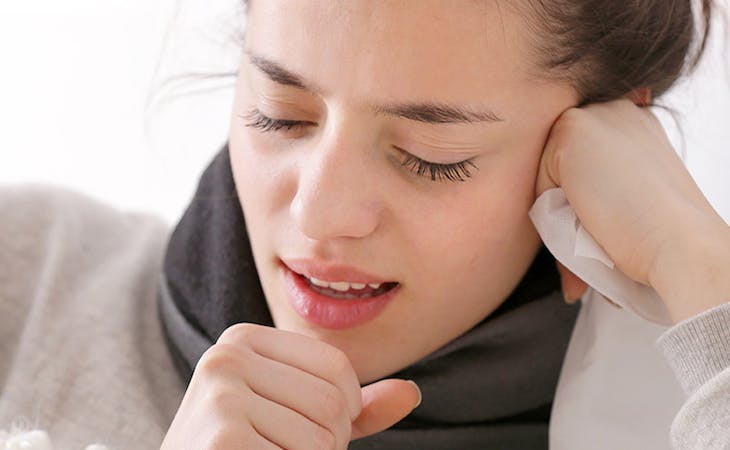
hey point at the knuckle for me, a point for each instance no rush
(225, 438)
(332, 403)
(337, 362)
(221, 358)
(572, 114)
(564, 131)
(226, 415)
(239, 333)
(223, 400)
(323, 439)
(572, 120)
(214, 360)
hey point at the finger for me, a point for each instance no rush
(250, 439)
(289, 429)
(548, 172)
(548, 176)
(314, 398)
(573, 287)
(385, 403)
(261, 443)
(310, 355)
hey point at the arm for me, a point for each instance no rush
(691, 272)
(698, 350)
(633, 194)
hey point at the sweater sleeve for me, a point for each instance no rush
(698, 350)
(54, 242)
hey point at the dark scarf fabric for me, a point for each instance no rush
(491, 388)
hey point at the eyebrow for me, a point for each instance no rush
(427, 112)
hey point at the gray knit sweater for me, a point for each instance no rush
(82, 353)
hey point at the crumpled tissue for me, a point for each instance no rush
(612, 373)
(565, 237)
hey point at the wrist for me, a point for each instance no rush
(691, 272)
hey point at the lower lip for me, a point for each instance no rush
(330, 312)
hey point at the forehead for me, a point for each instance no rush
(457, 50)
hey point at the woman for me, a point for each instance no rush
(384, 156)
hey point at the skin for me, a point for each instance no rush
(335, 189)
(456, 248)
(633, 194)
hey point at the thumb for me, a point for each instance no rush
(548, 176)
(384, 404)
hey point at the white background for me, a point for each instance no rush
(77, 107)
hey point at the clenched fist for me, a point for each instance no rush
(263, 388)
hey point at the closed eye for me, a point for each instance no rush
(453, 172)
(459, 171)
(256, 119)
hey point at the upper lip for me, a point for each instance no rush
(331, 272)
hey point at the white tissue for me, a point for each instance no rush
(575, 248)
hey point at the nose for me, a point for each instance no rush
(336, 195)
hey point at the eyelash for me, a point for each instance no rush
(258, 120)
(437, 172)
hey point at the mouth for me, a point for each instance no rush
(345, 290)
(337, 304)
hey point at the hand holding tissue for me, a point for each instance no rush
(570, 243)
(628, 219)
(616, 206)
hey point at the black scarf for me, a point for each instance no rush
(491, 388)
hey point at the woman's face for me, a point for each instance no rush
(409, 154)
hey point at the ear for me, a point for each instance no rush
(640, 96)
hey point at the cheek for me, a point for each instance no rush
(265, 193)
(264, 183)
(481, 227)
(261, 182)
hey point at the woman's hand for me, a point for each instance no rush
(264, 388)
(633, 194)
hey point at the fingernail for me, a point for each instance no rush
(569, 300)
(420, 396)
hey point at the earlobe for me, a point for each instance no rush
(640, 96)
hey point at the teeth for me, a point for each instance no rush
(342, 286)
(319, 283)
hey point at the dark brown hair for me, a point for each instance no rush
(608, 48)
